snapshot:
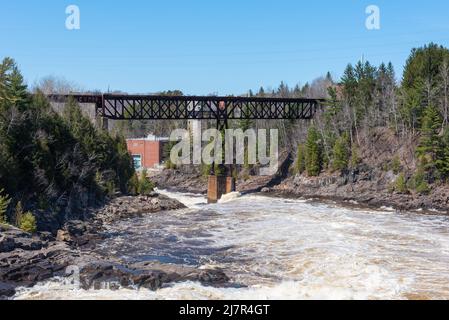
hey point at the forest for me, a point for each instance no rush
(53, 166)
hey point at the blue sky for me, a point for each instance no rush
(203, 47)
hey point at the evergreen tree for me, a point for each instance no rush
(421, 80)
(314, 155)
(59, 163)
(341, 152)
(429, 145)
(4, 203)
(442, 161)
(18, 90)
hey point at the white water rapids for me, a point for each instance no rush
(282, 249)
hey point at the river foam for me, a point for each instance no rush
(282, 249)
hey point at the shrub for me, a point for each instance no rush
(170, 165)
(419, 183)
(355, 160)
(4, 203)
(401, 184)
(133, 184)
(396, 165)
(146, 186)
(28, 223)
(110, 188)
(18, 213)
(423, 188)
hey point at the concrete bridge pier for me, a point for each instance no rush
(219, 186)
(102, 123)
(105, 124)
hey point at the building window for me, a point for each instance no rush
(137, 160)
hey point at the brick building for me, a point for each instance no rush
(147, 152)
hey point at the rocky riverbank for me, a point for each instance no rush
(28, 259)
(188, 181)
(364, 187)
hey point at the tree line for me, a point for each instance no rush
(367, 98)
(54, 165)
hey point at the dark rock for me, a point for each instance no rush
(12, 238)
(6, 290)
(46, 236)
(125, 207)
(75, 228)
(26, 268)
(209, 277)
(7, 244)
(13, 232)
(48, 221)
(103, 275)
(189, 179)
(152, 276)
(152, 280)
(28, 244)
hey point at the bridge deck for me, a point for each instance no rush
(149, 107)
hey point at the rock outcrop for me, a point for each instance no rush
(126, 207)
(180, 180)
(368, 187)
(104, 275)
(26, 260)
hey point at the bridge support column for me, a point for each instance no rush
(105, 124)
(230, 184)
(216, 188)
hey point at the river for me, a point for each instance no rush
(276, 248)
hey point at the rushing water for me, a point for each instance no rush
(282, 249)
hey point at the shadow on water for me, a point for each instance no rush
(178, 237)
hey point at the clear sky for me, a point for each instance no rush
(203, 47)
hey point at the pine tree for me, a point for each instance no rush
(4, 203)
(430, 145)
(341, 152)
(421, 80)
(314, 155)
(442, 162)
(18, 89)
(5, 71)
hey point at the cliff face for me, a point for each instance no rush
(371, 182)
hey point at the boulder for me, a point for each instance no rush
(104, 275)
(26, 268)
(6, 290)
(75, 228)
(63, 236)
(7, 244)
(12, 238)
(208, 277)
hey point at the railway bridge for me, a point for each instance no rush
(110, 107)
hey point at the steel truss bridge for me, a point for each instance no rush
(222, 109)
